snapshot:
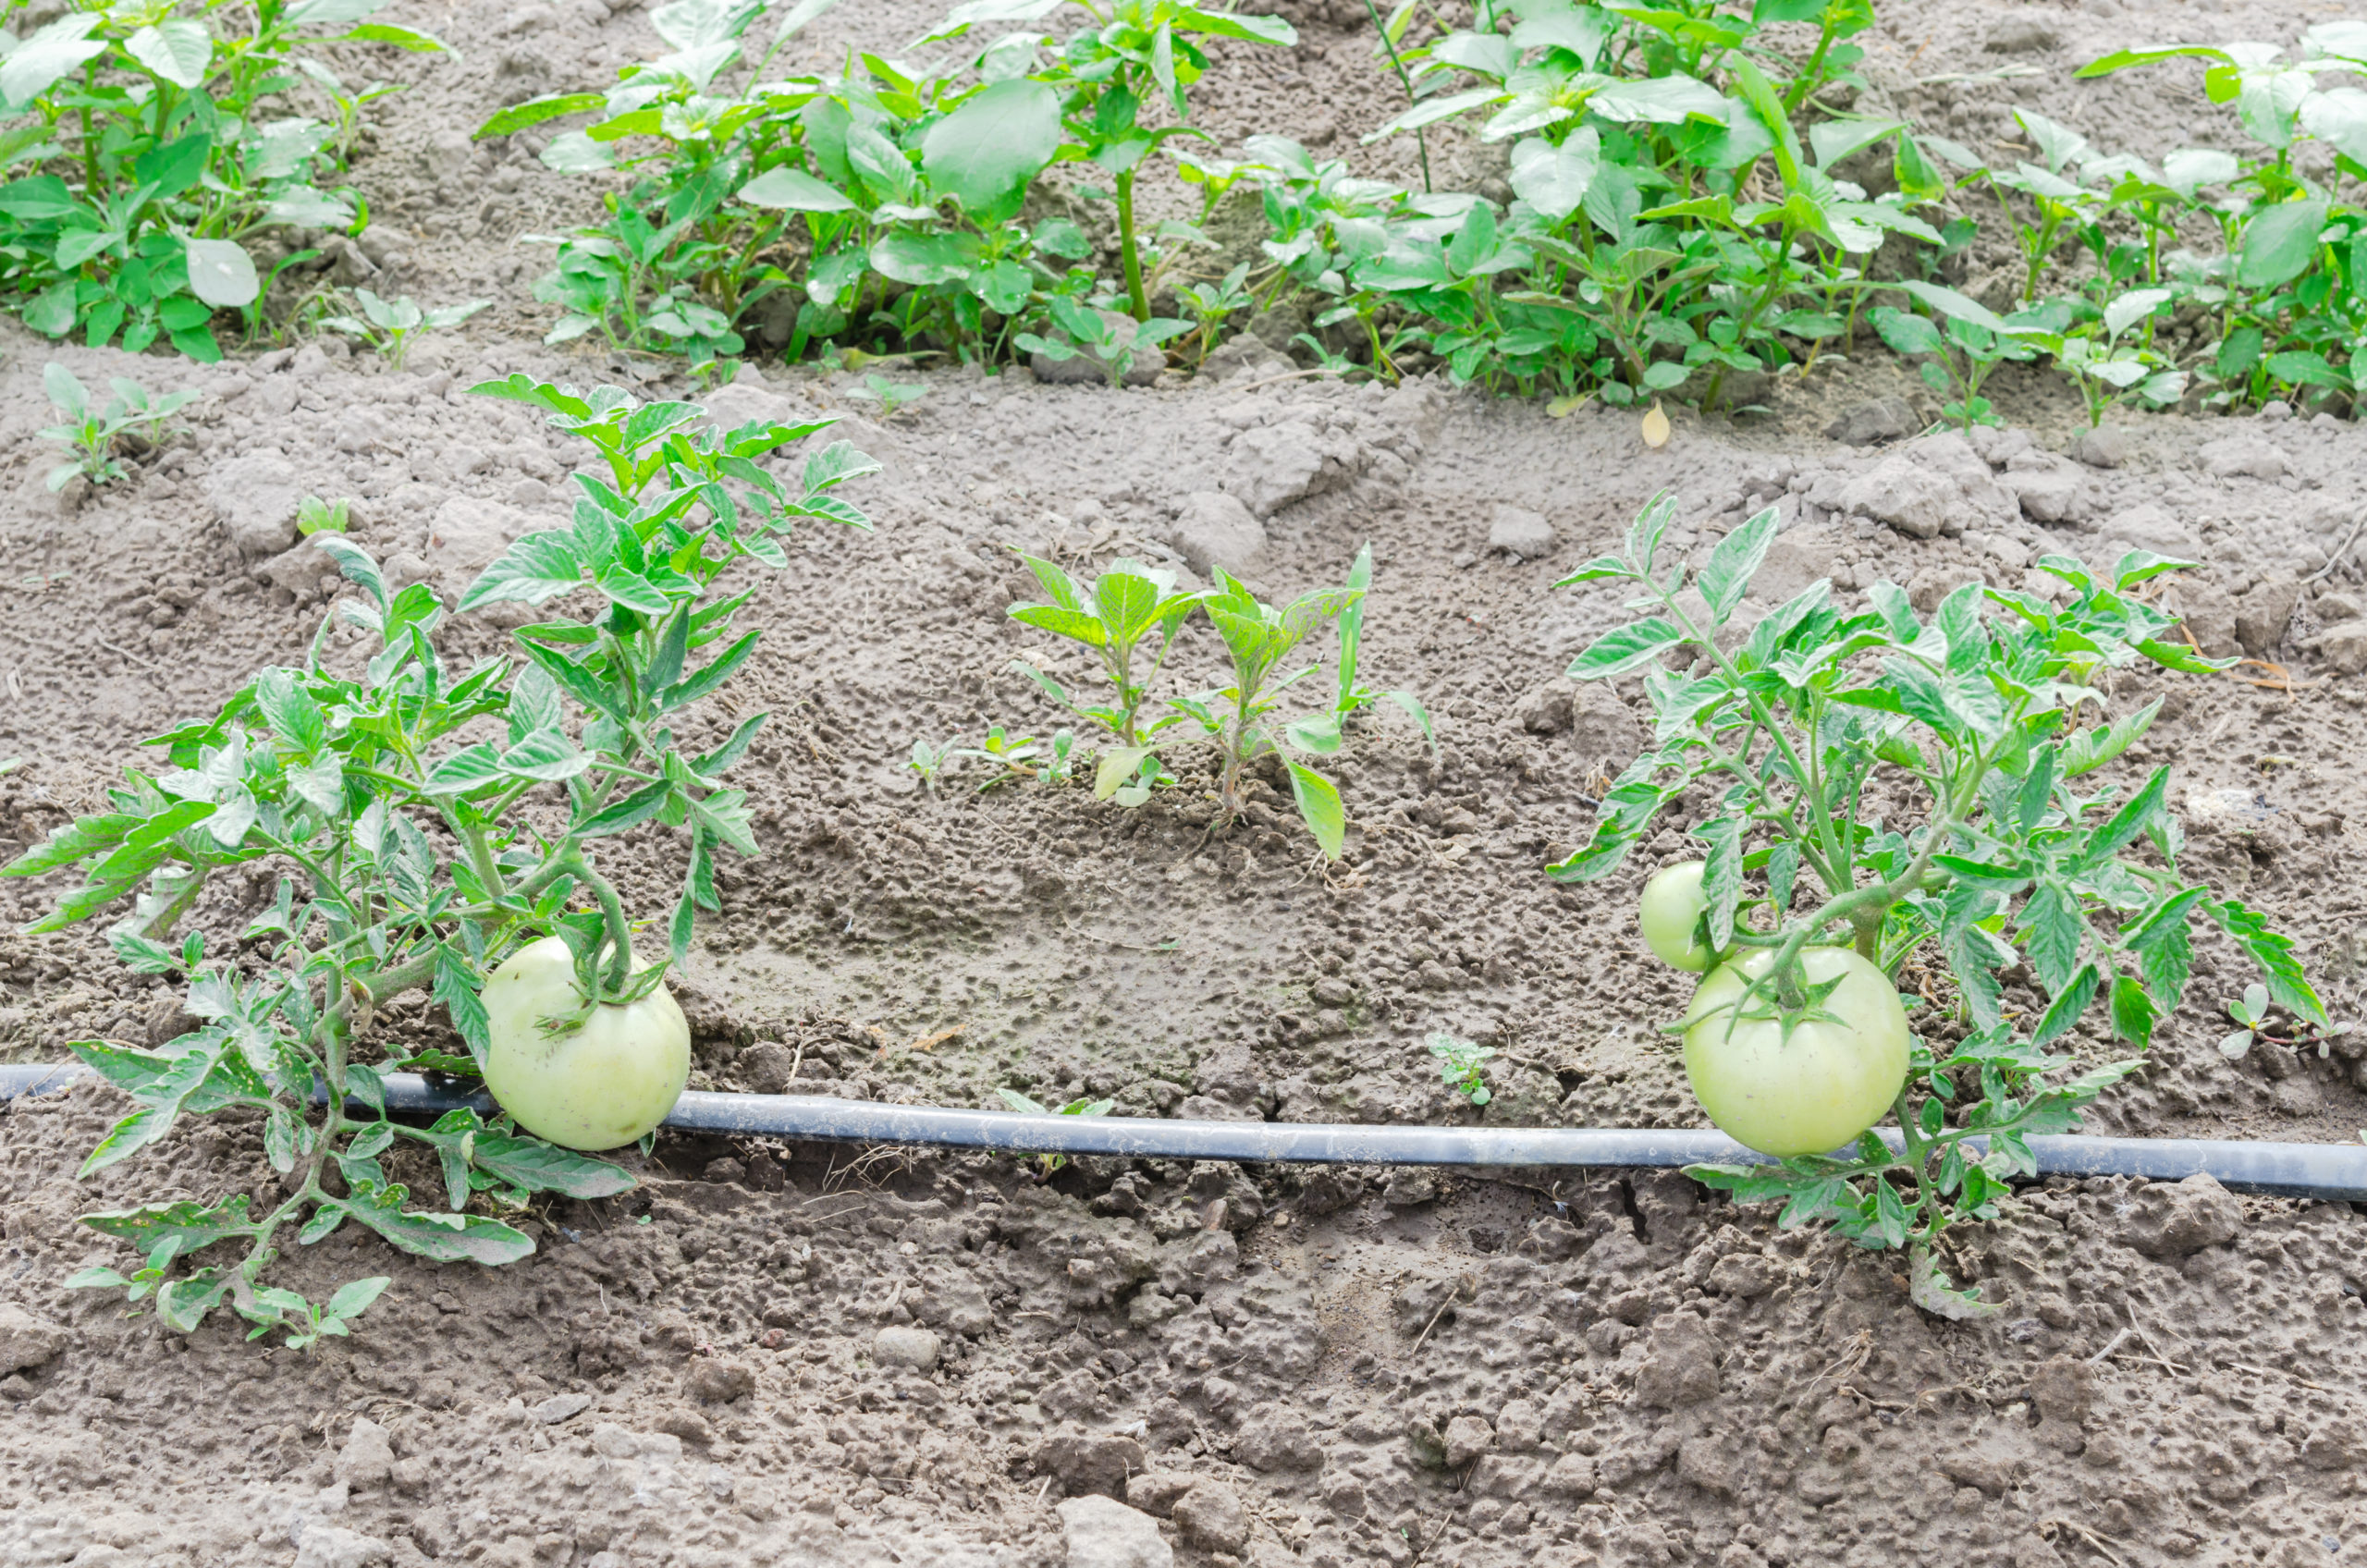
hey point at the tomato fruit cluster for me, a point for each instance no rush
(1808, 1084)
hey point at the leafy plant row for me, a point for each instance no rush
(1684, 209)
(1688, 211)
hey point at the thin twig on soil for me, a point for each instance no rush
(2265, 1372)
(1294, 375)
(2340, 550)
(2110, 1345)
(2085, 1534)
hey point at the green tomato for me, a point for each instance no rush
(600, 1086)
(1672, 913)
(1814, 1092)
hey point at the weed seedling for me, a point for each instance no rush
(393, 328)
(316, 515)
(1968, 342)
(1048, 1163)
(1260, 638)
(1021, 756)
(893, 397)
(1351, 696)
(1111, 338)
(91, 433)
(1463, 1067)
(1117, 617)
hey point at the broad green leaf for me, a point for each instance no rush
(1616, 653)
(1320, 808)
(221, 273)
(790, 189)
(188, 1224)
(987, 150)
(534, 111)
(2276, 246)
(447, 1238)
(178, 50)
(1553, 179)
(538, 1167)
(1727, 578)
(536, 567)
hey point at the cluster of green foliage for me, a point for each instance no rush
(149, 149)
(1130, 616)
(424, 822)
(882, 207)
(1978, 714)
(1681, 215)
(95, 433)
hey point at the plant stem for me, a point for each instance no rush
(1135, 297)
(1421, 142)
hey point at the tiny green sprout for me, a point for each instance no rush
(891, 396)
(1112, 339)
(316, 515)
(393, 328)
(1463, 1067)
(2250, 1010)
(1021, 756)
(929, 758)
(1025, 1106)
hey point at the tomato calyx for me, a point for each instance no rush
(1783, 997)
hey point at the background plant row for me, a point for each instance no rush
(1690, 211)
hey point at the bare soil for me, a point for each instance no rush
(815, 1355)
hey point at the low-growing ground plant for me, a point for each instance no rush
(1879, 788)
(425, 821)
(150, 149)
(1125, 611)
(1463, 1067)
(1239, 718)
(392, 328)
(92, 432)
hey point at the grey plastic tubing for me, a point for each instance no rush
(2330, 1173)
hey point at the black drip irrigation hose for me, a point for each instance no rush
(2329, 1172)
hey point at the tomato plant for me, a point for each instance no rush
(424, 823)
(1911, 787)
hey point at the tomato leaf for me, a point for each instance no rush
(1616, 653)
(449, 1238)
(1727, 578)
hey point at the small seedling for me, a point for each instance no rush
(1212, 304)
(929, 758)
(91, 434)
(1965, 344)
(1351, 696)
(393, 328)
(2250, 1010)
(1463, 1067)
(1048, 1163)
(1259, 638)
(891, 396)
(316, 515)
(1021, 756)
(1116, 616)
(1112, 339)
